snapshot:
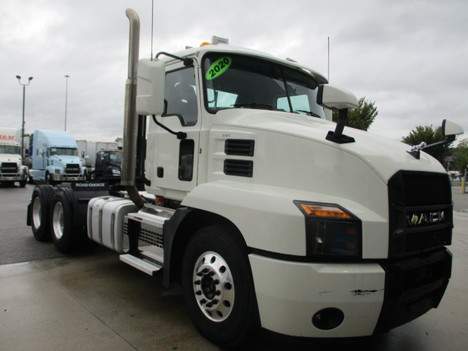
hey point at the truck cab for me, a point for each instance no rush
(334, 219)
(108, 166)
(11, 168)
(54, 157)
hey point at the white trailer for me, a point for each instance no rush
(11, 168)
(268, 214)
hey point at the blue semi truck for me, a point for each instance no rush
(54, 157)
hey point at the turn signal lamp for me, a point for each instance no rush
(324, 211)
(331, 231)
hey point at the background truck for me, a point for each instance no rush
(11, 168)
(267, 213)
(54, 157)
(87, 151)
(107, 167)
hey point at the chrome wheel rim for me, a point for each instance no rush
(36, 213)
(57, 220)
(213, 286)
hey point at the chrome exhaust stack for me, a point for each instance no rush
(130, 118)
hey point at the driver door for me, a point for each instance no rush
(172, 162)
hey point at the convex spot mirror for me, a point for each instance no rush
(150, 87)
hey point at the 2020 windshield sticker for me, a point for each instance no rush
(218, 67)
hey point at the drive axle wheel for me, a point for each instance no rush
(218, 286)
(66, 235)
(41, 202)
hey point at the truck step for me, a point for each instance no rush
(146, 267)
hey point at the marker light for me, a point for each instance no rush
(324, 211)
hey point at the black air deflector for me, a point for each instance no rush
(240, 168)
(239, 147)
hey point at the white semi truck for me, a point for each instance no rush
(267, 213)
(11, 161)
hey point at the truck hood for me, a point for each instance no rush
(10, 158)
(65, 159)
(384, 156)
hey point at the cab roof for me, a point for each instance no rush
(232, 49)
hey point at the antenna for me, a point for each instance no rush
(152, 21)
(328, 60)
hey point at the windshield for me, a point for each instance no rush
(236, 81)
(63, 151)
(10, 149)
(115, 157)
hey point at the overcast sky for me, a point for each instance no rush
(410, 57)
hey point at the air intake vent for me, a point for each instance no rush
(239, 147)
(240, 168)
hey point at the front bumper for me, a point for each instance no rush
(66, 177)
(290, 293)
(373, 297)
(16, 177)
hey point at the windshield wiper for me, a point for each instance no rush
(310, 113)
(255, 105)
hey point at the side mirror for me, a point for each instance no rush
(150, 87)
(335, 98)
(451, 129)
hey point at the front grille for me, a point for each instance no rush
(72, 168)
(420, 206)
(9, 167)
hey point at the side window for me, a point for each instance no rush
(181, 95)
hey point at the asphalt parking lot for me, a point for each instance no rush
(92, 301)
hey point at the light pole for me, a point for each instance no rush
(24, 85)
(66, 99)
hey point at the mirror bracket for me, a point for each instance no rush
(337, 136)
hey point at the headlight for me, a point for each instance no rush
(115, 172)
(331, 230)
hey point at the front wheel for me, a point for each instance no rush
(218, 287)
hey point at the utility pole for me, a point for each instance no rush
(66, 100)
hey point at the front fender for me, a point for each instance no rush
(266, 216)
(269, 220)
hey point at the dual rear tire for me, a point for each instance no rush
(53, 216)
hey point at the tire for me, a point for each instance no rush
(66, 236)
(218, 287)
(41, 202)
(22, 183)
